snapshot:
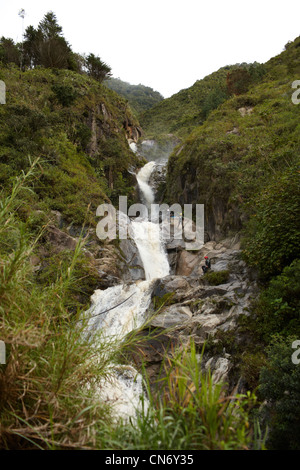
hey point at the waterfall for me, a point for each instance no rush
(119, 309)
(147, 236)
(143, 182)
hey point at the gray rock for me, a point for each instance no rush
(60, 240)
(172, 316)
(132, 265)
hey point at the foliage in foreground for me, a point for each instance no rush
(49, 382)
(49, 387)
(280, 389)
(188, 411)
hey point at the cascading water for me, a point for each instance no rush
(143, 182)
(147, 236)
(119, 309)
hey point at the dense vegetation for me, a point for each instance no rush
(189, 108)
(46, 46)
(77, 128)
(63, 151)
(243, 162)
(140, 97)
(50, 384)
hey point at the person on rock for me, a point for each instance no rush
(207, 265)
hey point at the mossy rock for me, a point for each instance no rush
(214, 278)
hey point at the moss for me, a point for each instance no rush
(165, 300)
(214, 278)
(49, 114)
(251, 366)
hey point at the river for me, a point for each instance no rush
(124, 389)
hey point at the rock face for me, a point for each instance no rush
(158, 180)
(203, 312)
(60, 240)
(222, 216)
(132, 265)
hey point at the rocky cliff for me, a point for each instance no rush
(188, 305)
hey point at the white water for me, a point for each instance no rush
(133, 147)
(123, 308)
(148, 239)
(143, 182)
(119, 309)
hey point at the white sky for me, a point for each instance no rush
(165, 44)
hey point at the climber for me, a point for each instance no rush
(207, 265)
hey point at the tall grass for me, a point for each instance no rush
(48, 382)
(49, 386)
(188, 411)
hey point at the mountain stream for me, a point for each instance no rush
(124, 306)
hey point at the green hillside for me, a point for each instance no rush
(64, 150)
(77, 127)
(243, 163)
(140, 97)
(189, 108)
(243, 150)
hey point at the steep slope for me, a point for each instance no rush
(189, 108)
(78, 128)
(140, 97)
(243, 160)
(243, 165)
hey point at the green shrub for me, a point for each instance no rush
(252, 363)
(214, 278)
(65, 94)
(280, 388)
(278, 307)
(272, 234)
(189, 411)
(53, 370)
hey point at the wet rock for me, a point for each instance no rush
(219, 367)
(169, 284)
(201, 311)
(132, 265)
(172, 316)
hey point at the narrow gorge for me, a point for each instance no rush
(195, 310)
(128, 341)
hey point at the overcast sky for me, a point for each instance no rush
(165, 44)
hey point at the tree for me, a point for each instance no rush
(49, 27)
(9, 52)
(97, 69)
(46, 45)
(32, 40)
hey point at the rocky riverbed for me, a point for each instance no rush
(194, 308)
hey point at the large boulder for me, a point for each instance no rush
(60, 240)
(172, 316)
